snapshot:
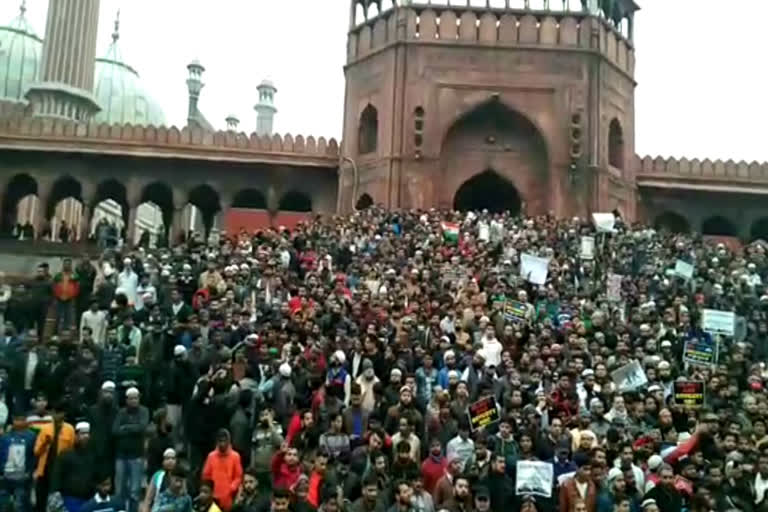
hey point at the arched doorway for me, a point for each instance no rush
(504, 147)
(616, 145)
(200, 213)
(64, 211)
(672, 222)
(295, 201)
(487, 191)
(718, 226)
(365, 201)
(110, 213)
(759, 229)
(250, 198)
(19, 202)
(154, 216)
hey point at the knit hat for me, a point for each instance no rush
(340, 356)
(132, 392)
(179, 350)
(83, 427)
(285, 370)
(168, 453)
(613, 474)
(108, 385)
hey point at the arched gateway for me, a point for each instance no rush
(494, 158)
(487, 191)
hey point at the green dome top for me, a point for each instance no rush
(120, 94)
(20, 55)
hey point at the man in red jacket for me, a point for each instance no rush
(286, 469)
(224, 469)
(433, 467)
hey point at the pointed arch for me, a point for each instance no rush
(250, 198)
(487, 191)
(759, 229)
(295, 201)
(616, 145)
(63, 188)
(672, 222)
(19, 187)
(368, 131)
(717, 225)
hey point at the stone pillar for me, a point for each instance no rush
(39, 221)
(130, 229)
(85, 226)
(65, 89)
(177, 227)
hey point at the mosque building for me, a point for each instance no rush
(122, 99)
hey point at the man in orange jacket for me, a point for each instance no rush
(224, 469)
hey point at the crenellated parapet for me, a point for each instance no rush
(435, 23)
(23, 132)
(672, 168)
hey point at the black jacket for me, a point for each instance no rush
(129, 429)
(74, 473)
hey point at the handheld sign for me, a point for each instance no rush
(514, 311)
(587, 247)
(718, 322)
(534, 477)
(534, 269)
(483, 413)
(689, 393)
(629, 377)
(683, 269)
(701, 350)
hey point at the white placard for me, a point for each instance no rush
(587, 247)
(683, 269)
(614, 287)
(534, 477)
(534, 269)
(604, 222)
(629, 377)
(718, 322)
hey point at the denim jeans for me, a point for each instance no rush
(65, 315)
(19, 491)
(129, 475)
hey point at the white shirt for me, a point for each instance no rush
(97, 322)
(29, 371)
(492, 350)
(128, 281)
(464, 450)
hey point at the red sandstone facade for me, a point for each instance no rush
(438, 99)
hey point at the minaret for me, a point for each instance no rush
(65, 89)
(194, 86)
(265, 108)
(232, 122)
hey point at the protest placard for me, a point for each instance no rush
(483, 413)
(689, 393)
(534, 478)
(718, 322)
(614, 287)
(587, 248)
(629, 377)
(514, 311)
(683, 269)
(604, 222)
(701, 350)
(534, 269)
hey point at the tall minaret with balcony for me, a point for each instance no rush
(65, 89)
(265, 108)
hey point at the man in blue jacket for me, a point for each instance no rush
(17, 462)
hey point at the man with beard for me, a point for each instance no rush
(75, 471)
(101, 416)
(266, 440)
(366, 381)
(501, 488)
(475, 374)
(40, 293)
(403, 408)
(181, 382)
(462, 497)
(248, 498)
(664, 494)
(371, 500)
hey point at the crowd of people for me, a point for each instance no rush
(337, 366)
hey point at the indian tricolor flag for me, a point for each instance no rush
(450, 232)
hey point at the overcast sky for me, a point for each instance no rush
(701, 72)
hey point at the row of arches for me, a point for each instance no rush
(715, 225)
(65, 214)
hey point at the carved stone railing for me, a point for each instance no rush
(21, 132)
(695, 169)
(498, 27)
